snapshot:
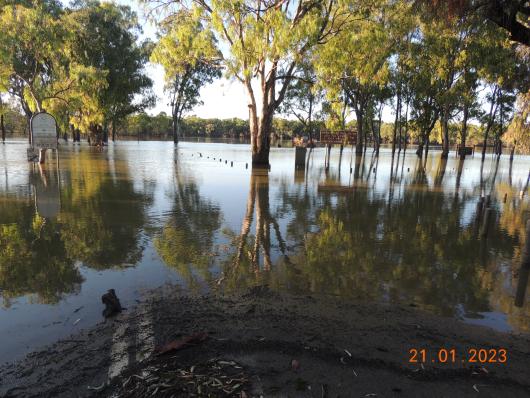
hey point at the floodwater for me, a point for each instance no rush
(139, 215)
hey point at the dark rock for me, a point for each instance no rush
(112, 304)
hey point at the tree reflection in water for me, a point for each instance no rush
(33, 256)
(186, 240)
(92, 220)
(420, 246)
(255, 256)
(102, 217)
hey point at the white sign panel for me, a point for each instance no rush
(43, 131)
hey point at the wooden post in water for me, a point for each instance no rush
(299, 157)
(486, 222)
(524, 271)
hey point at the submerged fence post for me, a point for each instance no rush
(524, 272)
(299, 158)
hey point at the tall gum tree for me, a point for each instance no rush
(36, 62)
(107, 39)
(355, 64)
(262, 43)
(190, 59)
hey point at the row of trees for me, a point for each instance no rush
(144, 126)
(84, 63)
(161, 126)
(434, 63)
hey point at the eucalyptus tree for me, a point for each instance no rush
(518, 132)
(511, 15)
(450, 46)
(35, 62)
(107, 39)
(355, 64)
(190, 60)
(304, 97)
(263, 42)
(37, 65)
(503, 74)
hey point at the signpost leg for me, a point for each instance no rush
(42, 155)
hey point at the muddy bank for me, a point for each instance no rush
(264, 343)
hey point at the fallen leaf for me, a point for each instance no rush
(182, 343)
(295, 364)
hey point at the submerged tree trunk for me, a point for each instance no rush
(419, 151)
(512, 152)
(360, 132)
(405, 139)
(260, 131)
(113, 130)
(491, 119)
(3, 128)
(464, 133)
(396, 120)
(376, 137)
(174, 129)
(445, 133)
(485, 142)
(260, 141)
(104, 134)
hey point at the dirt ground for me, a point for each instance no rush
(262, 343)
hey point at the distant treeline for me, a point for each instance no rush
(145, 126)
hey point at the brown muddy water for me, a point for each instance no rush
(139, 215)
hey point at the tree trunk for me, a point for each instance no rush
(491, 119)
(375, 134)
(174, 129)
(360, 132)
(113, 130)
(445, 133)
(396, 120)
(464, 133)
(405, 134)
(260, 137)
(419, 151)
(512, 152)
(2, 128)
(485, 142)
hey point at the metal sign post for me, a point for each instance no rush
(43, 136)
